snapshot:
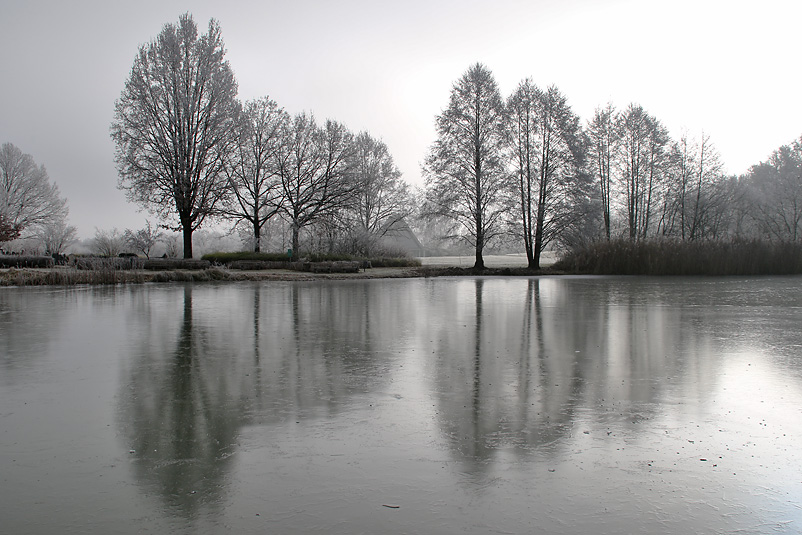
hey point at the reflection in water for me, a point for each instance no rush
(311, 348)
(558, 404)
(182, 416)
(542, 361)
(21, 347)
(516, 370)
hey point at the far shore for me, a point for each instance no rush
(495, 265)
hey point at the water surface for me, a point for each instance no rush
(489, 405)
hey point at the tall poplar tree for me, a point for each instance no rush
(466, 179)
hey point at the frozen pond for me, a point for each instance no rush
(426, 406)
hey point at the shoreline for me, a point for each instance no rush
(69, 276)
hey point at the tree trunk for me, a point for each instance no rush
(295, 240)
(257, 239)
(541, 219)
(480, 245)
(257, 231)
(480, 262)
(187, 231)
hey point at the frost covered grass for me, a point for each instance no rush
(105, 276)
(65, 277)
(673, 257)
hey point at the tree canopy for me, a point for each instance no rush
(28, 200)
(465, 169)
(174, 124)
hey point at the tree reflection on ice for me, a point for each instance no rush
(559, 404)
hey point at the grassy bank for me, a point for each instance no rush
(664, 257)
(71, 276)
(249, 260)
(620, 257)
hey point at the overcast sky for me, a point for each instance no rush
(728, 68)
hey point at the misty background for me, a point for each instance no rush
(729, 69)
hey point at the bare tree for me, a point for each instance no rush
(776, 193)
(643, 165)
(548, 158)
(466, 179)
(172, 246)
(252, 170)
(706, 176)
(56, 236)
(28, 200)
(313, 166)
(677, 187)
(144, 239)
(107, 242)
(693, 197)
(382, 198)
(603, 151)
(173, 124)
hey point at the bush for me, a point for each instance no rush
(227, 258)
(20, 261)
(374, 262)
(328, 257)
(164, 264)
(394, 262)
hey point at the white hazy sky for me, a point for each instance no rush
(728, 68)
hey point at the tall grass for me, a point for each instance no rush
(67, 277)
(72, 277)
(104, 263)
(674, 257)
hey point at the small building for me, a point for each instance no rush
(398, 236)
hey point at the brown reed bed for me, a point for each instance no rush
(674, 257)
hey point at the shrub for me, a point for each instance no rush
(394, 262)
(227, 258)
(20, 261)
(328, 257)
(162, 264)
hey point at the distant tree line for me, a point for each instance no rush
(527, 167)
(523, 168)
(189, 151)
